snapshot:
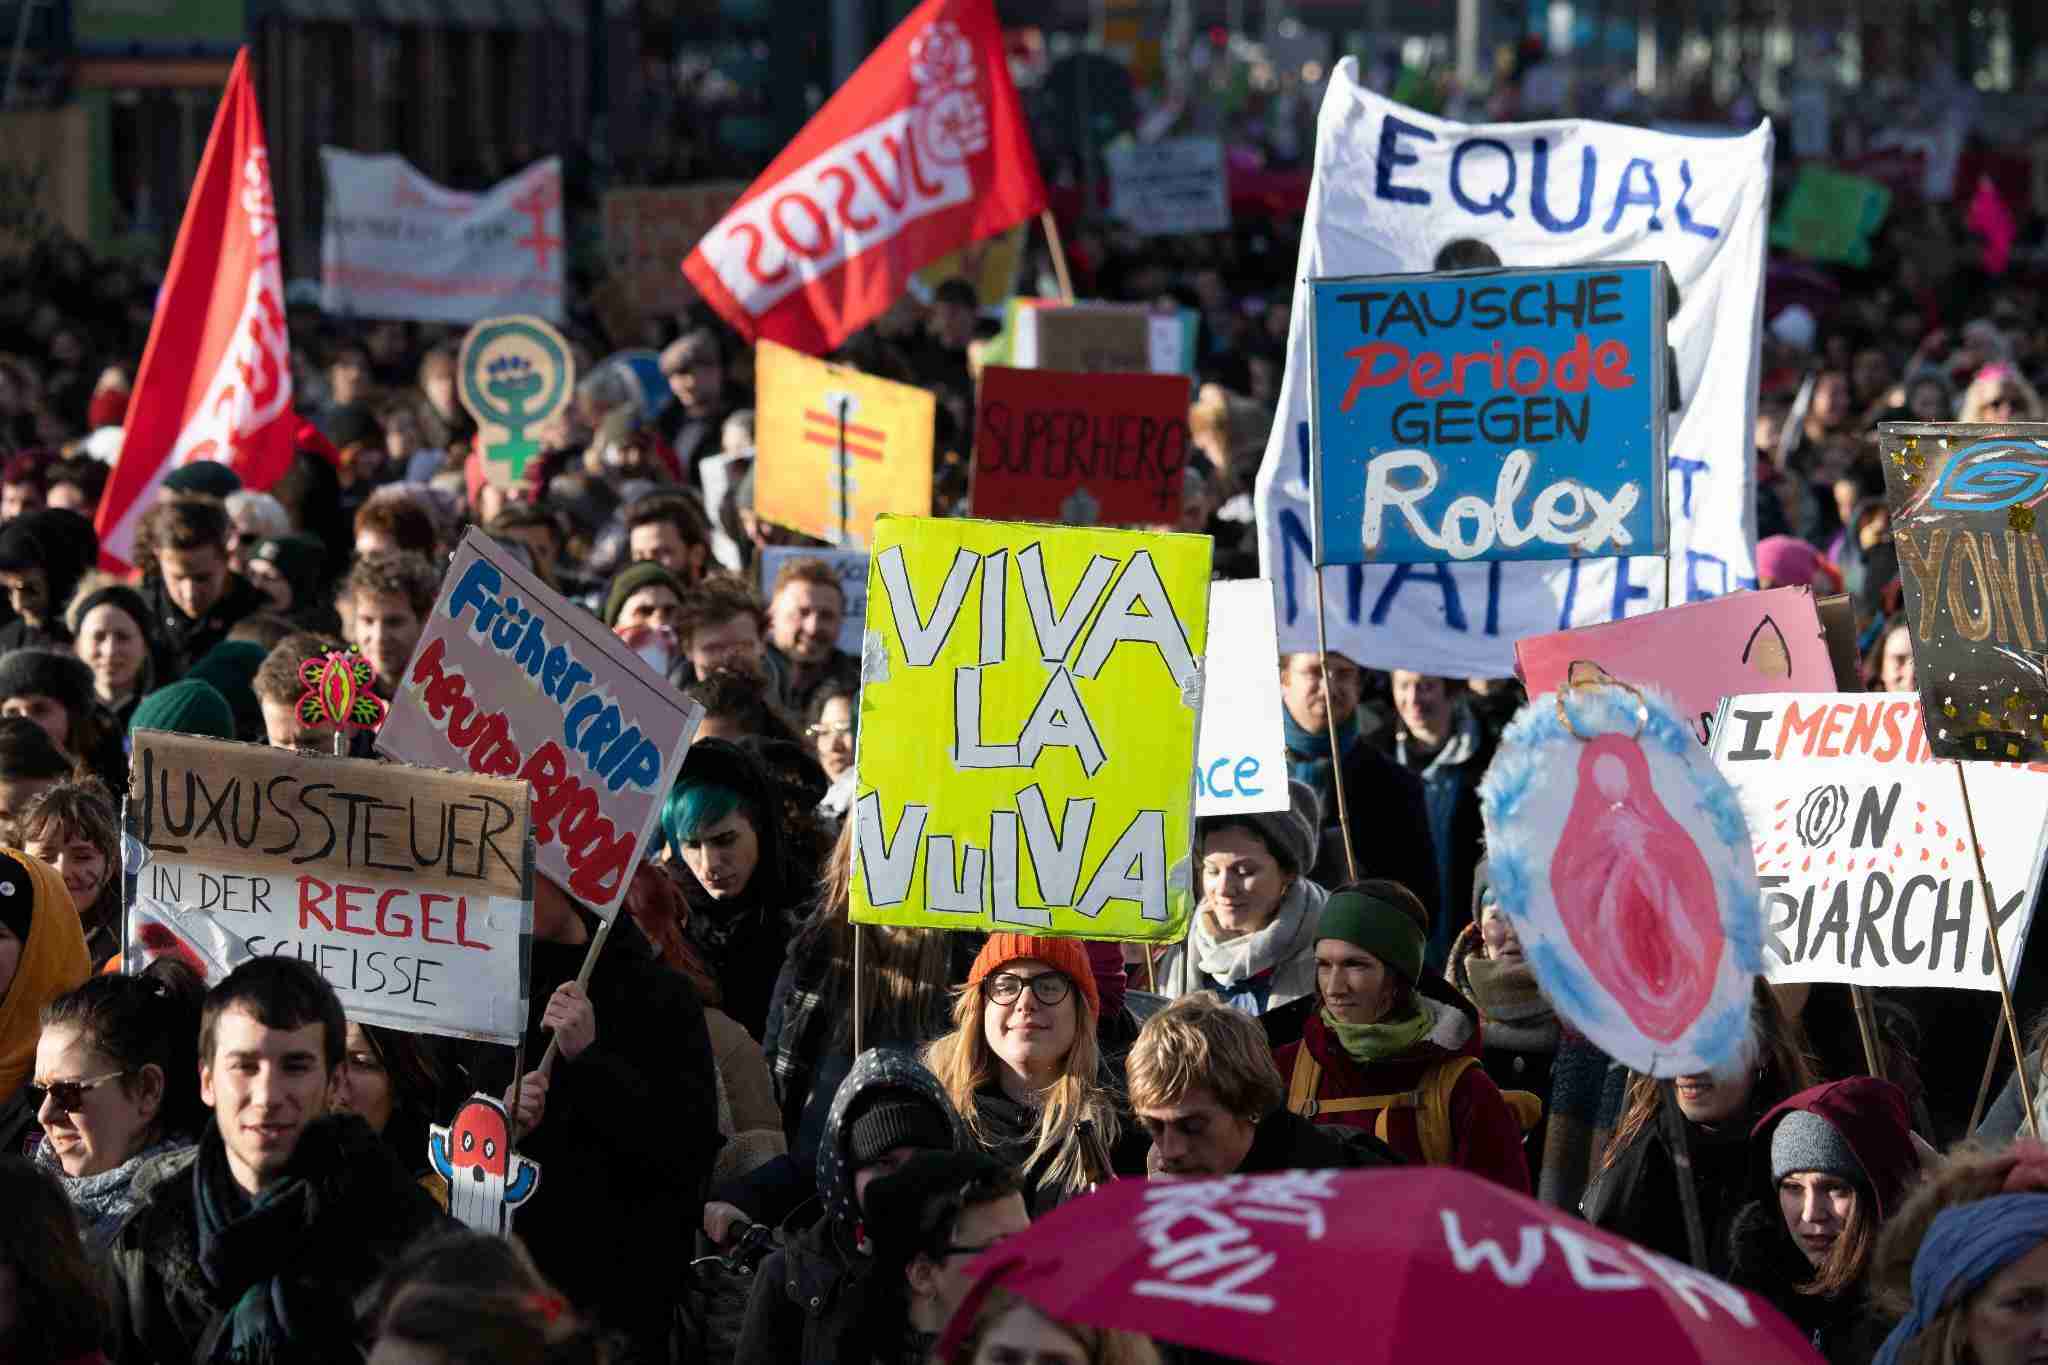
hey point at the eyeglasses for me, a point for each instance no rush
(70, 1095)
(1005, 987)
(820, 731)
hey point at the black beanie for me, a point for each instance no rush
(299, 559)
(895, 1118)
(912, 1209)
(45, 673)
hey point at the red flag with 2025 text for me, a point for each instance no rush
(216, 379)
(922, 151)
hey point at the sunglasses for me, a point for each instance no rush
(1005, 987)
(70, 1095)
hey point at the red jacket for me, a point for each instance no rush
(1486, 1137)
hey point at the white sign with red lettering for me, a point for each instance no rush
(410, 890)
(1862, 845)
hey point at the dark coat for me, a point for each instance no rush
(1289, 1142)
(1845, 1329)
(1010, 1134)
(842, 668)
(811, 1295)
(369, 1209)
(1450, 791)
(1637, 1196)
(1389, 828)
(628, 1135)
(1486, 1137)
(190, 640)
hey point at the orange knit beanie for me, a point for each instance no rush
(1066, 955)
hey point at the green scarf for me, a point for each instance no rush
(1367, 1044)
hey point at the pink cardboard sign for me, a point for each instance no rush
(1769, 641)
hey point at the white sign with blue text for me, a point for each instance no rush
(1241, 759)
(1488, 414)
(1393, 189)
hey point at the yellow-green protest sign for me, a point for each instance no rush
(1029, 704)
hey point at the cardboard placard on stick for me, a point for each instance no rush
(513, 374)
(1080, 449)
(1861, 842)
(835, 448)
(511, 679)
(1029, 708)
(409, 889)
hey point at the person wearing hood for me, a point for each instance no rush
(55, 690)
(1023, 1068)
(287, 570)
(1252, 939)
(42, 956)
(746, 889)
(1438, 737)
(1635, 1192)
(42, 556)
(1829, 1165)
(811, 1296)
(1518, 1028)
(929, 1220)
(624, 1124)
(1393, 1051)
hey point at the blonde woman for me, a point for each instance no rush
(1023, 1067)
(2000, 393)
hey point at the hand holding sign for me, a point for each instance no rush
(573, 1019)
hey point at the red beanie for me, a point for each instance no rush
(1066, 955)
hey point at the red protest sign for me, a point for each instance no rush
(1085, 449)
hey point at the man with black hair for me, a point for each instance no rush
(42, 556)
(928, 1219)
(255, 1244)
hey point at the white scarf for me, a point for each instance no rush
(1232, 962)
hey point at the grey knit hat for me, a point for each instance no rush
(1804, 1141)
(1291, 834)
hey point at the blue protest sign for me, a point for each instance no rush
(1488, 414)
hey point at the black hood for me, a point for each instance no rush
(879, 1068)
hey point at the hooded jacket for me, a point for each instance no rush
(742, 939)
(66, 547)
(1871, 1116)
(1486, 1138)
(811, 1297)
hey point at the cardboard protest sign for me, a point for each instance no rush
(1029, 704)
(835, 448)
(1241, 763)
(513, 375)
(510, 679)
(1861, 842)
(1964, 503)
(1499, 414)
(410, 890)
(487, 1180)
(648, 232)
(1831, 215)
(1621, 855)
(1394, 186)
(1082, 449)
(849, 566)
(1174, 186)
(1098, 338)
(1698, 653)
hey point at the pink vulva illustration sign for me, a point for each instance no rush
(1635, 893)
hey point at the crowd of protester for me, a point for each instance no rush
(240, 1172)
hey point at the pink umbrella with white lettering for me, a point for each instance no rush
(1396, 1265)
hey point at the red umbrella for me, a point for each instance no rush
(1418, 1263)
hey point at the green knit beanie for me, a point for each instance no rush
(1379, 926)
(190, 707)
(634, 577)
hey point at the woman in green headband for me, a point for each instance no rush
(1394, 1052)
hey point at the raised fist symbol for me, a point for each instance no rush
(953, 127)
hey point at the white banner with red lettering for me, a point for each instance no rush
(393, 244)
(216, 379)
(923, 150)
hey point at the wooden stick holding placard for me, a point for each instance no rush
(1866, 1027)
(1059, 254)
(1330, 725)
(1990, 1070)
(856, 991)
(1990, 905)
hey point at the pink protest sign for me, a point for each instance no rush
(1696, 654)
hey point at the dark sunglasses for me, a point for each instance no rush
(70, 1095)
(1005, 987)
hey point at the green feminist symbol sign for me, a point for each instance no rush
(514, 375)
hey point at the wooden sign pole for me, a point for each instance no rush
(1330, 726)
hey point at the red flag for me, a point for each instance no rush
(923, 150)
(216, 378)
